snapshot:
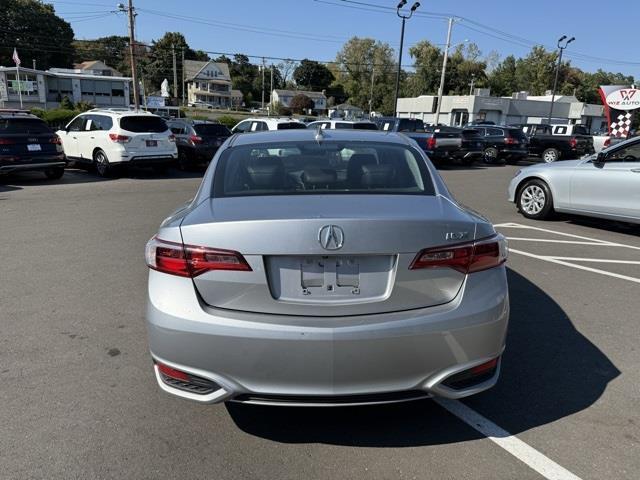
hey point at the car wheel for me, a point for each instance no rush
(101, 162)
(550, 155)
(490, 155)
(535, 200)
(54, 173)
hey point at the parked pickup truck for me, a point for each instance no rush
(441, 144)
(551, 147)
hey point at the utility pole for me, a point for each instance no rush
(373, 76)
(404, 18)
(131, 12)
(271, 90)
(183, 80)
(34, 63)
(444, 71)
(263, 82)
(555, 82)
(175, 72)
(472, 83)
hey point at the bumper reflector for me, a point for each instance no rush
(472, 376)
(185, 381)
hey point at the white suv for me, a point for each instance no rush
(110, 138)
(267, 123)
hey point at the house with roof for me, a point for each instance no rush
(284, 97)
(96, 67)
(210, 82)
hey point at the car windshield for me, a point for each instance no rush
(211, 129)
(23, 125)
(143, 124)
(327, 168)
(291, 126)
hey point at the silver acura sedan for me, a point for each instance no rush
(325, 268)
(605, 185)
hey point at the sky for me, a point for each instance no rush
(606, 36)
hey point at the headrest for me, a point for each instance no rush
(266, 172)
(319, 176)
(377, 175)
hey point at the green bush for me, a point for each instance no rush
(66, 103)
(38, 112)
(58, 117)
(84, 106)
(228, 121)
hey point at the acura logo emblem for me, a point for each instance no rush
(331, 237)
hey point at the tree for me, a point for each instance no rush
(361, 62)
(286, 68)
(301, 103)
(112, 50)
(312, 75)
(503, 80)
(158, 64)
(37, 33)
(535, 73)
(464, 63)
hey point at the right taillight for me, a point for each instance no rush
(119, 138)
(190, 260)
(7, 141)
(431, 143)
(465, 257)
(607, 142)
(195, 139)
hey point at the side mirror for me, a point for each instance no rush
(600, 159)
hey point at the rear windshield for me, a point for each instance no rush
(211, 129)
(516, 133)
(291, 126)
(328, 168)
(365, 126)
(409, 125)
(143, 124)
(23, 125)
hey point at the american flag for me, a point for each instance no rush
(15, 57)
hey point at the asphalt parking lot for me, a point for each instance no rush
(79, 399)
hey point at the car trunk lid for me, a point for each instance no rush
(296, 267)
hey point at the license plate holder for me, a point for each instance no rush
(152, 143)
(34, 147)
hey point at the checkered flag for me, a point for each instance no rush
(622, 127)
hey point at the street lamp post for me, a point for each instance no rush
(404, 18)
(555, 82)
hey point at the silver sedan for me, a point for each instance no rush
(325, 268)
(606, 185)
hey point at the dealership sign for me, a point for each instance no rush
(624, 99)
(620, 103)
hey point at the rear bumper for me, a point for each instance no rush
(150, 160)
(512, 153)
(376, 358)
(20, 165)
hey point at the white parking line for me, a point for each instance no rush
(546, 240)
(555, 232)
(568, 261)
(575, 265)
(516, 447)
(594, 260)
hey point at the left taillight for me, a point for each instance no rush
(466, 257)
(190, 260)
(573, 142)
(55, 140)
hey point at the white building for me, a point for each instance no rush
(46, 89)
(210, 82)
(521, 108)
(284, 97)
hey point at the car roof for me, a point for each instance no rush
(307, 135)
(10, 113)
(119, 112)
(272, 119)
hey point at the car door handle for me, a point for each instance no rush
(635, 170)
